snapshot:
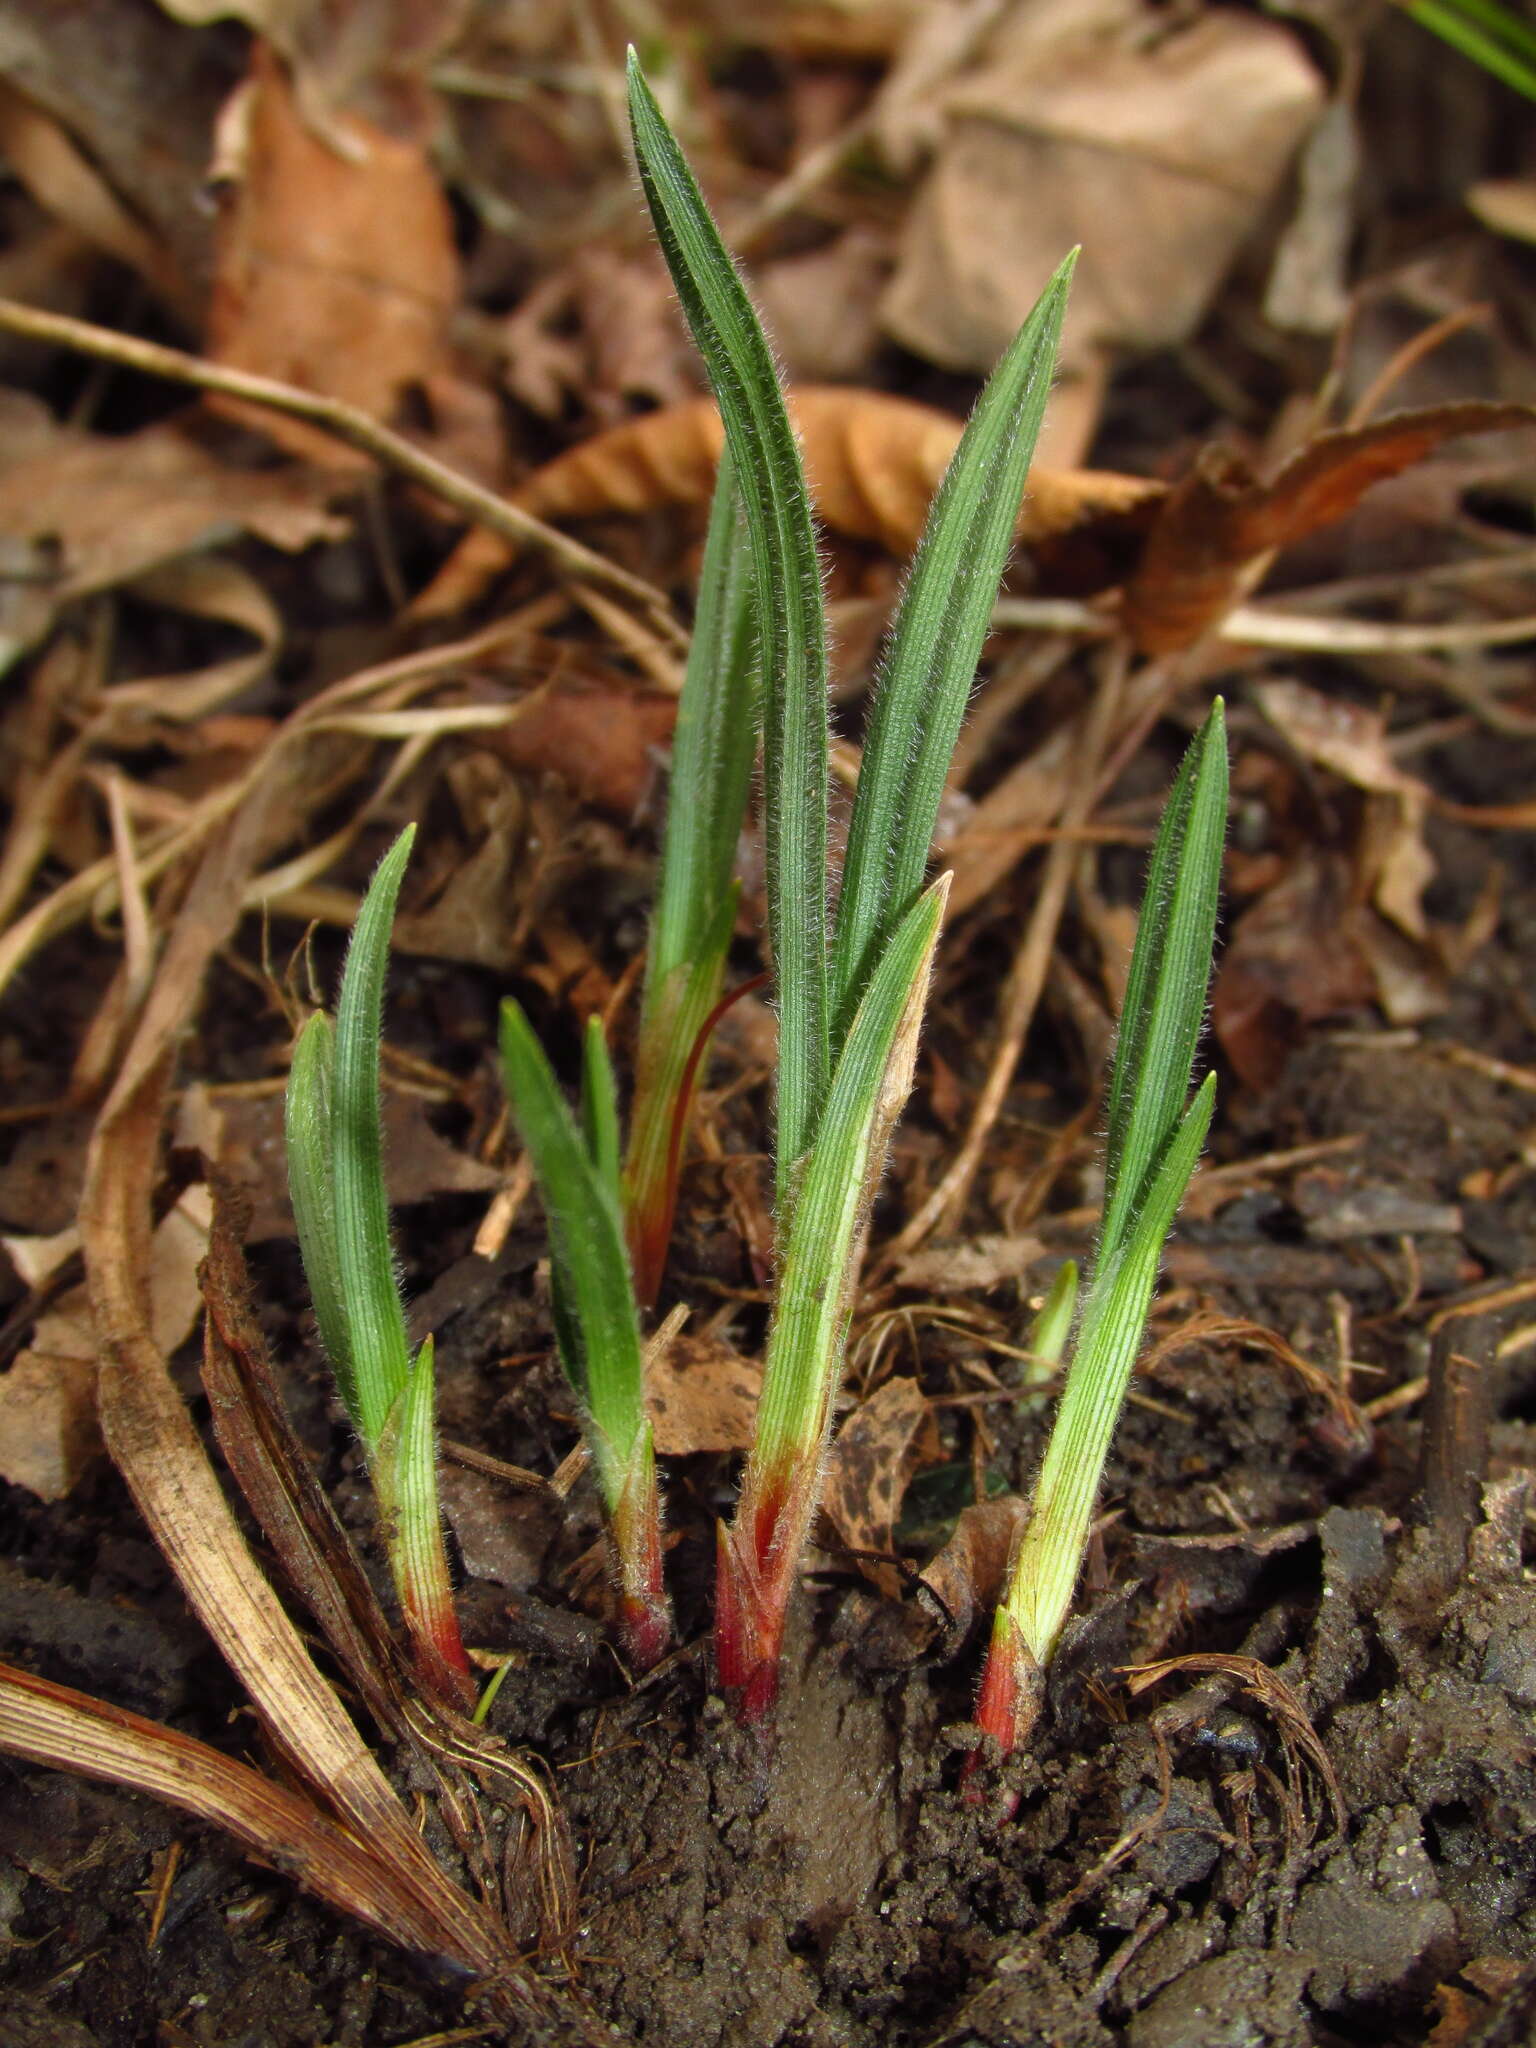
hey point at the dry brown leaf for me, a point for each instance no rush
(873, 463)
(336, 267)
(115, 507)
(968, 1577)
(1396, 864)
(701, 1396)
(867, 1472)
(1216, 526)
(1294, 957)
(39, 151)
(1156, 149)
(971, 1266)
(603, 743)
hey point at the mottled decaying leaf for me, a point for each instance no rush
(967, 1577)
(867, 1472)
(1217, 525)
(701, 1396)
(873, 463)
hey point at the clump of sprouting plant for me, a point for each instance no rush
(850, 987)
(336, 1182)
(1154, 1140)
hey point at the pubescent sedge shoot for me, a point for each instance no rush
(1154, 1139)
(336, 1181)
(849, 1000)
(597, 1329)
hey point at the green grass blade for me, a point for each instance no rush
(787, 596)
(1053, 1326)
(1170, 969)
(935, 646)
(713, 746)
(408, 1496)
(1500, 52)
(598, 1328)
(307, 1131)
(600, 1105)
(1050, 1556)
(364, 1255)
(815, 1287)
(671, 1053)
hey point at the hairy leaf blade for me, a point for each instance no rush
(380, 1351)
(814, 1294)
(935, 645)
(1114, 1320)
(597, 1327)
(787, 595)
(1164, 1006)
(600, 1105)
(308, 1139)
(713, 745)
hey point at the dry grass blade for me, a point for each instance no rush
(316, 1554)
(69, 1731)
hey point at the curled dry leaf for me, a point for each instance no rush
(335, 266)
(873, 463)
(1209, 538)
(968, 1577)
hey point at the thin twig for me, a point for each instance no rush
(358, 430)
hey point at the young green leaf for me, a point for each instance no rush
(787, 598)
(935, 646)
(310, 1141)
(1114, 1320)
(406, 1479)
(596, 1324)
(813, 1303)
(713, 748)
(1153, 1146)
(600, 1105)
(1170, 969)
(380, 1353)
(714, 744)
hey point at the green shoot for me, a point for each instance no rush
(597, 1328)
(336, 1180)
(1052, 1326)
(1152, 1149)
(712, 753)
(1488, 33)
(759, 1556)
(786, 594)
(849, 1012)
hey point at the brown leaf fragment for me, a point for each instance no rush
(603, 743)
(1212, 532)
(967, 1578)
(873, 463)
(1295, 956)
(972, 1265)
(701, 1396)
(336, 267)
(867, 1475)
(49, 1438)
